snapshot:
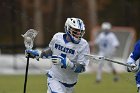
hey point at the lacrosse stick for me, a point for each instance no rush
(95, 57)
(28, 42)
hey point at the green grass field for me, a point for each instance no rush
(86, 84)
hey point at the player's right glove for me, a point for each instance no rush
(134, 68)
(32, 53)
(63, 61)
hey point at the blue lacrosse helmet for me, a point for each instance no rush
(75, 29)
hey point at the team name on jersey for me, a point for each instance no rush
(64, 49)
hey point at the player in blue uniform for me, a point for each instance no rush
(134, 56)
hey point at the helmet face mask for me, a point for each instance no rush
(76, 33)
(75, 29)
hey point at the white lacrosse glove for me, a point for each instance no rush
(134, 68)
(63, 61)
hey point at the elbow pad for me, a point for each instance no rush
(46, 53)
(79, 68)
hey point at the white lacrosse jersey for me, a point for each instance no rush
(107, 43)
(75, 52)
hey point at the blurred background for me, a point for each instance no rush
(49, 16)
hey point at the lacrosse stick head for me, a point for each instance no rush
(29, 38)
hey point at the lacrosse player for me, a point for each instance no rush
(107, 43)
(134, 56)
(67, 54)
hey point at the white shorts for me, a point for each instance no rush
(55, 86)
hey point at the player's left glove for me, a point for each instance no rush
(78, 68)
(134, 68)
(63, 61)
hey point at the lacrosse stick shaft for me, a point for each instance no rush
(28, 42)
(107, 59)
(26, 75)
(113, 61)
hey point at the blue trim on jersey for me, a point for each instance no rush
(64, 38)
(64, 61)
(68, 85)
(135, 56)
(72, 39)
(51, 89)
(136, 52)
(65, 84)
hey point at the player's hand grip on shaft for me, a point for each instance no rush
(134, 68)
(32, 53)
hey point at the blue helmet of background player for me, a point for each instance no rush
(75, 29)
